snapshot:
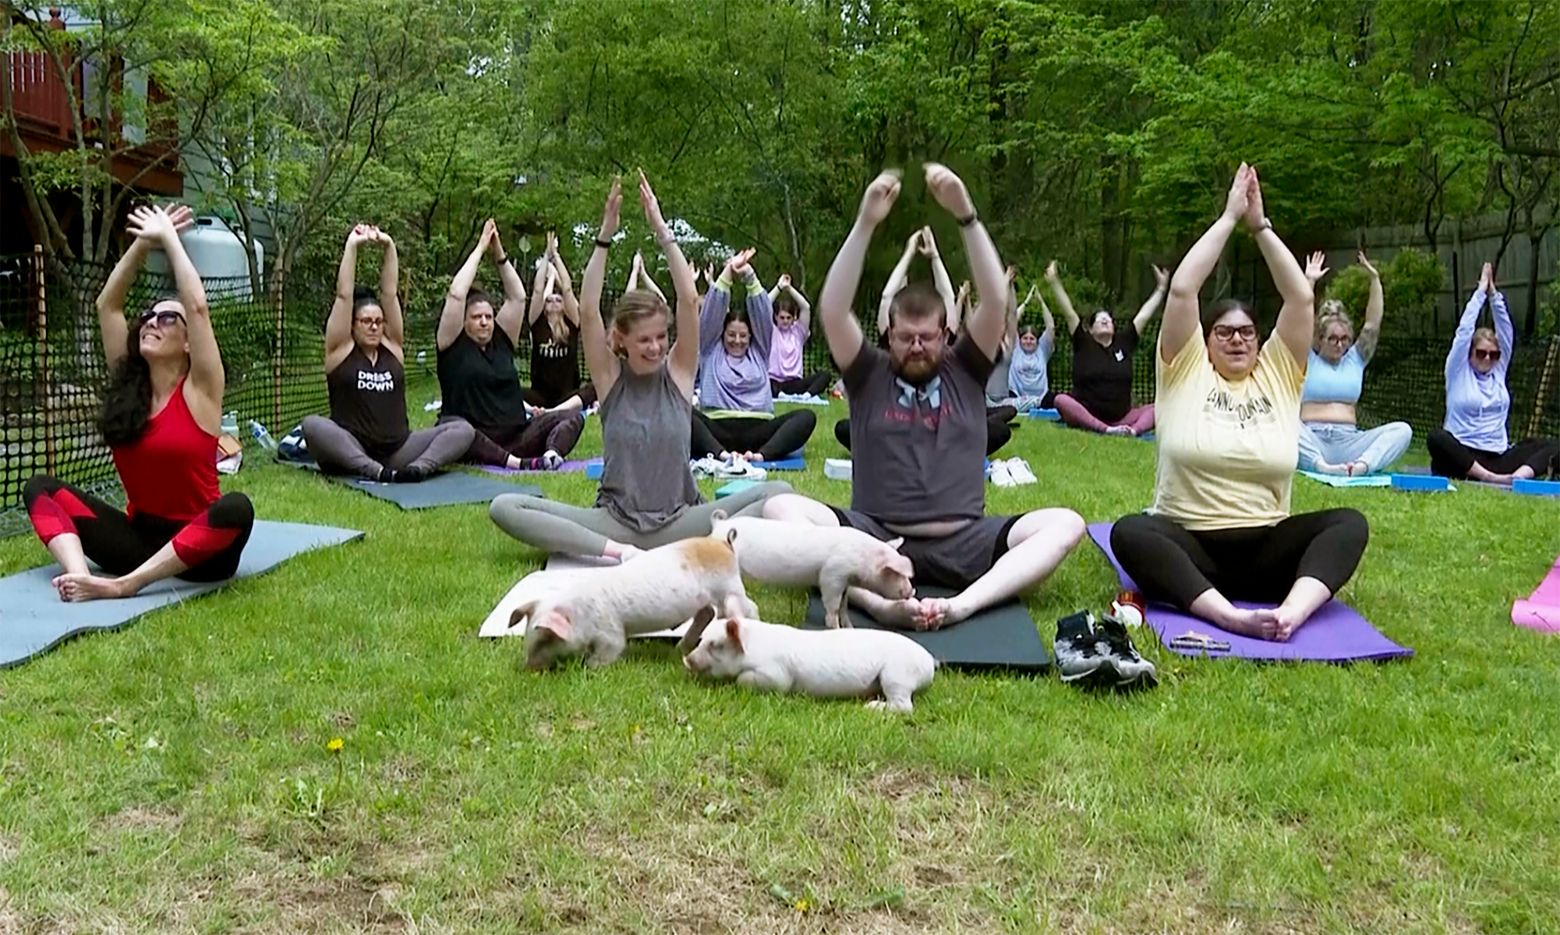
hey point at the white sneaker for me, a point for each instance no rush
(1019, 470)
(707, 466)
(552, 459)
(1000, 475)
(739, 469)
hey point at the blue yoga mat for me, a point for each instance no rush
(447, 489)
(793, 463)
(33, 619)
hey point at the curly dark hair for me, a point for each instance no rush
(127, 401)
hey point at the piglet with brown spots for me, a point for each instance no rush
(593, 611)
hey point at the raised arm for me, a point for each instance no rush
(389, 295)
(803, 307)
(841, 330)
(760, 312)
(648, 281)
(896, 278)
(1182, 307)
(1505, 335)
(203, 390)
(712, 311)
(1375, 308)
(599, 358)
(1048, 336)
(111, 301)
(560, 277)
(1152, 303)
(987, 320)
(338, 327)
(511, 315)
(540, 283)
(685, 350)
(1063, 301)
(940, 279)
(453, 317)
(1296, 325)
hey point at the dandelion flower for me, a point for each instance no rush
(335, 745)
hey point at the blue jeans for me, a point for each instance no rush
(1340, 443)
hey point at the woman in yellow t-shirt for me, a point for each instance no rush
(1229, 428)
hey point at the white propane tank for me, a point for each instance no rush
(218, 255)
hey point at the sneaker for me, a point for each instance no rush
(1081, 654)
(1019, 470)
(739, 469)
(411, 474)
(1133, 670)
(706, 466)
(551, 460)
(1000, 475)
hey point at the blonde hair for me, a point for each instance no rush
(635, 306)
(1483, 334)
(1332, 313)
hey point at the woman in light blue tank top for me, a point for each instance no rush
(1331, 441)
(647, 496)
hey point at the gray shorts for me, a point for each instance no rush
(953, 561)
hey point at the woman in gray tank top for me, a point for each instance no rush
(647, 496)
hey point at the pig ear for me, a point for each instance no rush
(731, 538)
(734, 633)
(895, 543)
(554, 626)
(717, 516)
(690, 640)
(523, 612)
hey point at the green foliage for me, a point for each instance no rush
(1411, 282)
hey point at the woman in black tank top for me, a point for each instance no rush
(367, 434)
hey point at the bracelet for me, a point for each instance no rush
(503, 259)
(604, 244)
(1266, 225)
(668, 240)
(966, 222)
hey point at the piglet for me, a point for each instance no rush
(886, 667)
(593, 611)
(832, 558)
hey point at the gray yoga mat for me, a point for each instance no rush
(446, 489)
(1000, 637)
(33, 619)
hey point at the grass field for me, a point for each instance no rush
(179, 776)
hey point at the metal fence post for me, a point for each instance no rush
(45, 384)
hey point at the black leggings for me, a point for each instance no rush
(210, 544)
(998, 432)
(801, 386)
(548, 397)
(1451, 458)
(774, 439)
(1259, 563)
(549, 431)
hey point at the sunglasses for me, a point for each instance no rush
(371, 322)
(163, 318)
(1226, 332)
(1480, 353)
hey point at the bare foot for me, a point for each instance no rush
(1262, 623)
(1357, 469)
(77, 588)
(1288, 622)
(1118, 430)
(939, 612)
(901, 615)
(751, 456)
(1327, 467)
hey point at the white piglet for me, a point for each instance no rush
(832, 558)
(876, 664)
(593, 611)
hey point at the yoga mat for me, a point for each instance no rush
(1541, 610)
(1342, 480)
(34, 619)
(801, 399)
(446, 489)
(794, 462)
(1048, 415)
(1000, 637)
(567, 467)
(1335, 633)
(497, 622)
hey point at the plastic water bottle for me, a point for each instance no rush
(262, 436)
(230, 424)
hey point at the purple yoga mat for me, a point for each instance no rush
(1336, 633)
(567, 467)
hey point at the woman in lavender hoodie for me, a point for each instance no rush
(738, 407)
(1472, 443)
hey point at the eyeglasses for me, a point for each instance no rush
(163, 318)
(371, 322)
(1228, 332)
(1339, 339)
(1482, 353)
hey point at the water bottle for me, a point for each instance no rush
(230, 424)
(262, 436)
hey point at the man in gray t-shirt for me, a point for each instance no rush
(918, 430)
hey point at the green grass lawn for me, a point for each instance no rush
(176, 776)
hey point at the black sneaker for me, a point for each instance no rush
(1081, 653)
(411, 474)
(1132, 669)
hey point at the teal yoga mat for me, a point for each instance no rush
(1000, 637)
(33, 619)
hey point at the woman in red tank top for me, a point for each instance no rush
(161, 415)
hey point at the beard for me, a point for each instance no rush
(918, 370)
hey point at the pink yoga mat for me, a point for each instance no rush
(567, 467)
(1336, 633)
(1541, 611)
